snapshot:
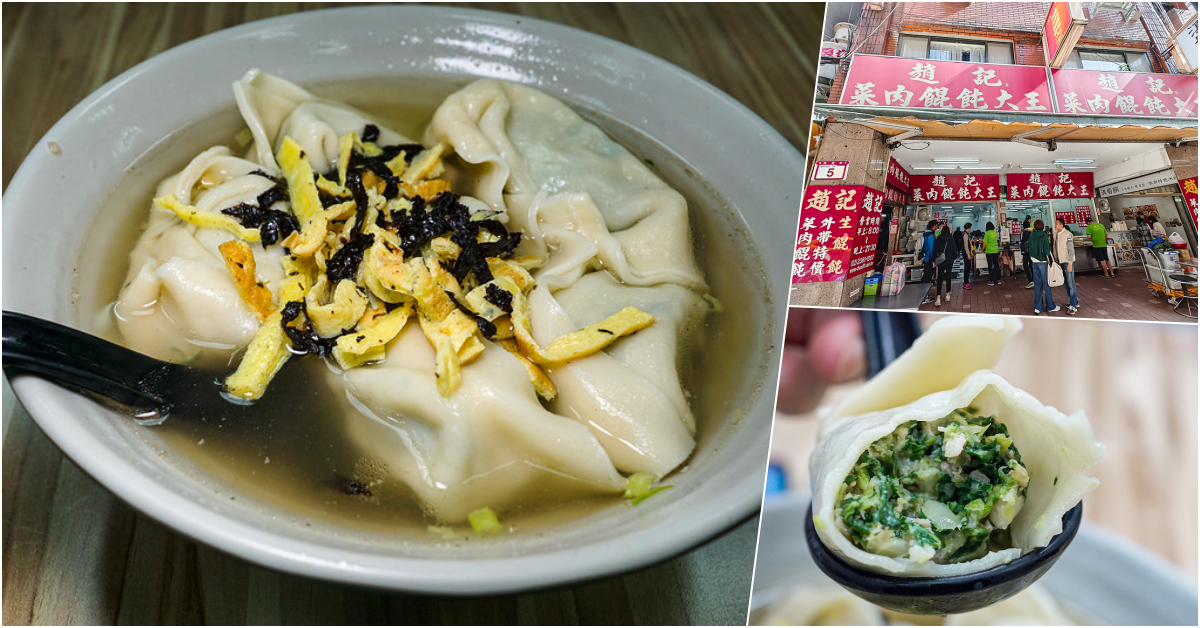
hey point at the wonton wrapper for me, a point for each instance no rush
(490, 443)
(630, 395)
(578, 196)
(930, 380)
(178, 302)
(275, 108)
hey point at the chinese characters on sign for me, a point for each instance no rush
(1083, 215)
(932, 84)
(1189, 196)
(1025, 186)
(1068, 218)
(1055, 28)
(1098, 92)
(830, 171)
(954, 188)
(897, 176)
(893, 195)
(839, 225)
(1144, 182)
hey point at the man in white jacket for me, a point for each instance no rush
(1064, 252)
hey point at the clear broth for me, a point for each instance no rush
(302, 462)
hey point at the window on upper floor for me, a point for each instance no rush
(975, 51)
(1111, 60)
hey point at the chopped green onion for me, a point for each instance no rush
(485, 522)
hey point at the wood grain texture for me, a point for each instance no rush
(1136, 382)
(74, 554)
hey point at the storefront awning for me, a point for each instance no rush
(1000, 125)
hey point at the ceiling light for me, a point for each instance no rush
(1074, 161)
(955, 160)
(981, 167)
(935, 167)
(1078, 167)
(1036, 166)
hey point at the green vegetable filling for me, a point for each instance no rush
(944, 490)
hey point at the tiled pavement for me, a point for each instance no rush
(1124, 297)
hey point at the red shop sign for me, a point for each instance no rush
(894, 195)
(1058, 21)
(1025, 186)
(952, 188)
(1068, 218)
(897, 175)
(1083, 215)
(1189, 196)
(1099, 92)
(839, 228)
(933, 84)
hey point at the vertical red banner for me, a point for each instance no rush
(1189, 196)
(835, 233)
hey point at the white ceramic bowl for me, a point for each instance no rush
(52, 197)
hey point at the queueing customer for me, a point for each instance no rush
(991, 249)
(1143, 229)
(927, 252)
(1026, 231)
(1099, 236)
(945, 251)
(1039, 259)
(927, 257)
(962, 240)
(1064, 250)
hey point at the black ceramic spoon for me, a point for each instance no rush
(146, 388)
(888, 335)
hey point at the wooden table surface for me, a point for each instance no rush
(1136, 382)
(74, 554)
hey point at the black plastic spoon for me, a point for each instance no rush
(146, 388)
(888, 335)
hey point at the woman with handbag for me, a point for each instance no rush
(1040, 256)
(1064, 251)
(944, 253)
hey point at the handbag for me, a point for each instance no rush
(1054, 272)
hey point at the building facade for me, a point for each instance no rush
(1010, 33)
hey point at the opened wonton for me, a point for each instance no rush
(930, 381)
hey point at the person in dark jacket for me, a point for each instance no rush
(1039, 258)
(1026, 231)
(962, 240)
(944, 250)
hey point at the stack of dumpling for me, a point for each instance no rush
(610, 232)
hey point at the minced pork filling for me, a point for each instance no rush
(943, 490)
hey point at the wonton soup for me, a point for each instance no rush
(492, 317)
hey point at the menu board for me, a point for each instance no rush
(838, 232)
(1068, 218)
(955, 188)
(1040, 185)
(1083, 215)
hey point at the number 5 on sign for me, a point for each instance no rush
(830, 171)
